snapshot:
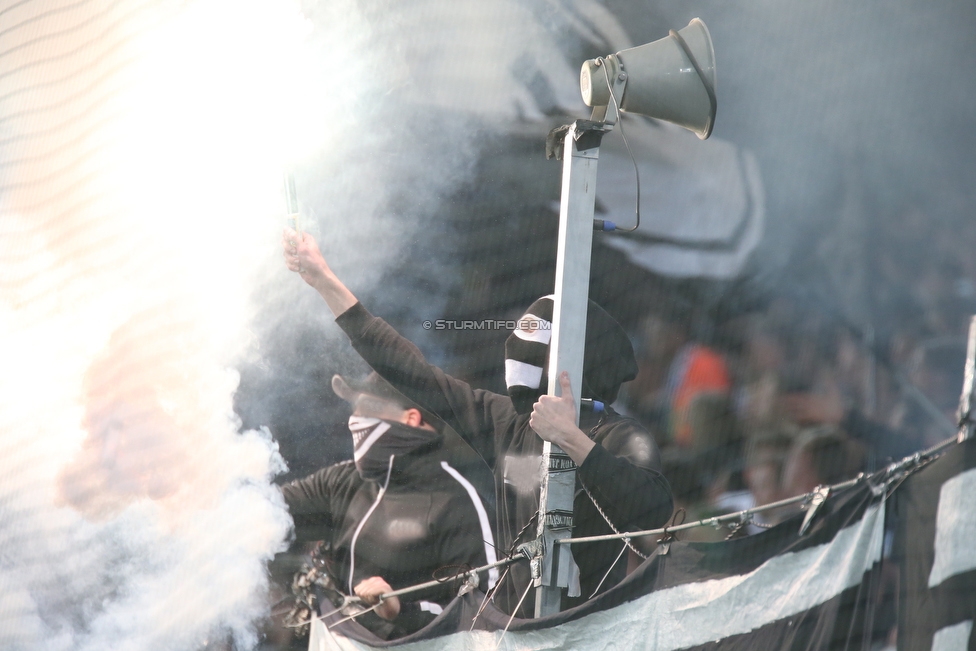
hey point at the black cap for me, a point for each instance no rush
(374, 385)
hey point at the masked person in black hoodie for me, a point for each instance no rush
(619, 484)
(396, 514)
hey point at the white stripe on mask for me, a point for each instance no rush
(365, 432)
(521, 374)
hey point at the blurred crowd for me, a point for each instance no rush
(774, 402)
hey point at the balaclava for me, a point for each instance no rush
(608, 358)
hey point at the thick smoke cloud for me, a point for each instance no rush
(441, 84)
(141, 217)
(134, 512)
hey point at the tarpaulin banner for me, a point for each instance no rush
(773, 590)
(936, 545)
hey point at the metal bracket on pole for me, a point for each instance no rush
(967, 425)
(613, 69)
(580, 153)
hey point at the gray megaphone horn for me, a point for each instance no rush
(671, 79)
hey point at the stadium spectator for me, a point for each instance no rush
(393, 516)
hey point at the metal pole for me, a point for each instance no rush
(581, 148)
(966, 422)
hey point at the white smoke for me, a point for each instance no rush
(440, 82)
(141, 152)
(143, 148)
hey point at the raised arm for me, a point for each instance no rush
(473, 413)
(302, 255)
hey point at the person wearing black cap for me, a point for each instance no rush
(620, 486)
(396, 514)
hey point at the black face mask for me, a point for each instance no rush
(526, 356)
(375, 441)
(523, 398)
(608, 357)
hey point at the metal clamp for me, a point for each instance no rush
(470, 583)
(817, 500)
(533, 550)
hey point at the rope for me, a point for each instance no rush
(610, 569)
(533, 520)
(491, 592)
(355, 615)
(488, 596)
(351, 600)
(892, 473)
(509, 623)
(459, 570)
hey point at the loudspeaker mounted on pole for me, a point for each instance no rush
(671, 79)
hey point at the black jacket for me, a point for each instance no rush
(428, 517)
(622, 473)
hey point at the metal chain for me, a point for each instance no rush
(626, 540)
(603, 419)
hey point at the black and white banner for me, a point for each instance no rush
(773, 590)
(936, 514)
